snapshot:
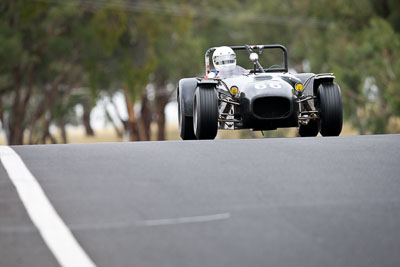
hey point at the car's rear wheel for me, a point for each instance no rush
(205, 113)
(330, 109)
(309, 130)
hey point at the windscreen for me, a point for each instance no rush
(270, 58)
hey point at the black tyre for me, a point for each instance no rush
(205, 113)
(330, 109)
(309, 130)
(185, 123)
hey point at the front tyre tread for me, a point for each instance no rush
(331, 110)
(205, 113)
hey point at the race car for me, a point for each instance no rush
(231, 98)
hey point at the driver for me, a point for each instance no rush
(224, 60)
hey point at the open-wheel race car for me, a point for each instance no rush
(231, 97)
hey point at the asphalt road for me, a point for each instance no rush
(259, 202)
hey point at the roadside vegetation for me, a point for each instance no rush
(58, 55)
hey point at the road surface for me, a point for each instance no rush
(258, 202)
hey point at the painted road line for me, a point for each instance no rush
(53, 230)
(194, 219)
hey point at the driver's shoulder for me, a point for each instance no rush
(240, 68)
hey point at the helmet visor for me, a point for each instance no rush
(225, 59)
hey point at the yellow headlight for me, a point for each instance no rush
(299, 87)
(234, 90)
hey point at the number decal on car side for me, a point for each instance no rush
(263, 85)
(260, 85)
(275, 85)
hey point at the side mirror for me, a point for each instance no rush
(254, 57)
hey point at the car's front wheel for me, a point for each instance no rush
(330, 109)
(205, 113)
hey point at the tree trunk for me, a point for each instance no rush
(132, 125)
(32, 130)
(117, 130)
(61, 124)
(86, 119)
(160, 123)
(1, 111)
(16, 124)
(20, 103)
(16, 120)
(16, 133)
(161, 101)
(145, 117)
(46, 132)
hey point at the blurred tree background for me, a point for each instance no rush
(57, 55)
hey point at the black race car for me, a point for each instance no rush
(260, 99)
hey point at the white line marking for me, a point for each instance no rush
(195, 219)
(55, 233)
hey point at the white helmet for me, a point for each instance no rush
(224, 58)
